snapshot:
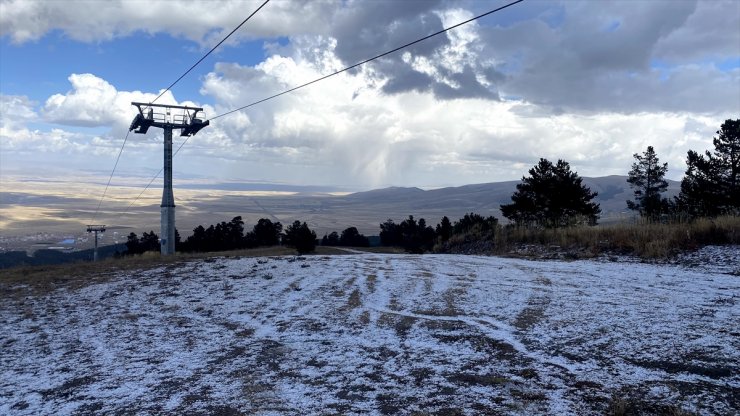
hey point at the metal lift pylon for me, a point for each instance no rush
(174, 117)
(92, 228)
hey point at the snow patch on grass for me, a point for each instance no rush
(377, 334)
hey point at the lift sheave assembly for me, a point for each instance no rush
(168, 117)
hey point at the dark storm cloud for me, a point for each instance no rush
(407, 79)
(604, 58)
(369, 28)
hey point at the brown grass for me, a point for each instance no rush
(380, 250)
(644, 239)
(354, 300)
(77, 274)
(629, 406)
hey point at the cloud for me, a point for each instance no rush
(602, 57)
(16, 110)
(708, 33)
(412, 137)
(447, 65)
(90, 120)
(588, 83)
(204, 22)
(94, 102)
(91, 102)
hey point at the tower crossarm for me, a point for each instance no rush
(185, 118)
(95, 228)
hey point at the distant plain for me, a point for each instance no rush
(35, 211)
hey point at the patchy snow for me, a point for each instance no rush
(378, 334)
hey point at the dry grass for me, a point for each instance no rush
(77, 274)
(380, 249)
(630, 406)
(645, 239)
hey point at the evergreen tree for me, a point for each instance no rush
(426, 235)
(711, 185)
(416, 236)
(352, 238)
(178, 241)
(235, 233)
(390, 233)
(149, 242)
(647, 180)
(552, 196)
(132, 244)
(476, 224)
(197, 241)
(330, 239)
(410, 238)
(265, 233)
(444, 229)
(301, 237)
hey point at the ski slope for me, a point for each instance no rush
(379, 334)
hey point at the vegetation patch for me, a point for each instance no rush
(354, 300)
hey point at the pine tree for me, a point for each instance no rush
(552, 196)
(132, 244)
(647, 180)
(351, 237)
(444, 229)
(711, 186)
(301, 237)
(330, 239)
(265, 233)
(390, 234)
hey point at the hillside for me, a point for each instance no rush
(486, 198)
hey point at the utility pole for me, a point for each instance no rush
(174, 117)
(96, 229)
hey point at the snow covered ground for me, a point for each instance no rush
(379, 334)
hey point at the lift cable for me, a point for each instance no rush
(209, 52)
(367, 60)
(109, 179)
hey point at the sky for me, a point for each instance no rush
(589, 82)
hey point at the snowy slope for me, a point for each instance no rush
(377, 334)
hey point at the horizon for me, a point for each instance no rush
(61, 209)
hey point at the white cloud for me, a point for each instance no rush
(16, 110)
(93, 102)
(204, 22)
(412, 138)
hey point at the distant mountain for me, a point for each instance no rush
(394, 193)
(486, 198)
(323, 211)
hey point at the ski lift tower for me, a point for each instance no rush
(95, 229)
(168, 117)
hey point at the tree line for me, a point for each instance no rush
(226, 236)
(553, 196)
(709, 188)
